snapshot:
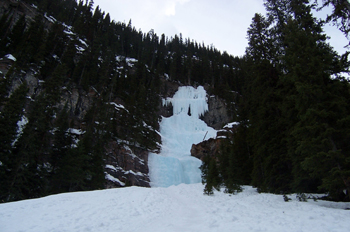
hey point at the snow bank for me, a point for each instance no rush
(177, 208)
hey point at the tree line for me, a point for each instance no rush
(294, 110)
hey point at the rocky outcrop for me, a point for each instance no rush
(218, 115)
(16, 9)
(126, 166)
(168, 89)
(211, 147)
(208, 147)
(78, 102)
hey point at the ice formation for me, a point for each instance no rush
(175, 165)
(188, 99)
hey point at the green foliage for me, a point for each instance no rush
(230, 168)
(210, 175)
(296, 105)
(9, 133)
(340, 14)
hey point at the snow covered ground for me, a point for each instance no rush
(179, 208)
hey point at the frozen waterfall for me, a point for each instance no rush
(175, 165)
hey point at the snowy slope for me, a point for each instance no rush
(177, 208)
(175, 165)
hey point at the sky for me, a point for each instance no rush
(221, 23)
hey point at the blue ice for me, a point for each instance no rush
(174, 164)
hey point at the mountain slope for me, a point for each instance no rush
(90, 89)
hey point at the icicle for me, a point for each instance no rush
(188, 99)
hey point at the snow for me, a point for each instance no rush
(75, 131)
(133, 173)
(10, 57)
(118, 106)
(177, 208)
(231, 124)
(114, 179)
(83, 43)
(129, 60)
(79, 49)
(21, 124)
(166, 76)
(68, 32)
(175, 165)
(50, 18)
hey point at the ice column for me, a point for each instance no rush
(175, 165)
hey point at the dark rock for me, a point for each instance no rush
(218, 115)
(168, 89)
(211, 146)
(208, 147)
(126, 166)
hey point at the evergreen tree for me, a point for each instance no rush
(294, 109)
(210, 175)
(341, 10)
(16, 34)
(9, 133)
(5, 22)
(62, 161)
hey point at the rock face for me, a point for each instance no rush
(126, 166)
(78, 102)
(168, 89)
(211, 147)
(217, 116)
(16, 10)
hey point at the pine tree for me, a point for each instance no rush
(9, 133)
(5, 22)
(61, 160)
(16, 34)
(210, 175)
(341, 10)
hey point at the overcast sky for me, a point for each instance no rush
(222, 23)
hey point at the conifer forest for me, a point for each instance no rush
(289, 93)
